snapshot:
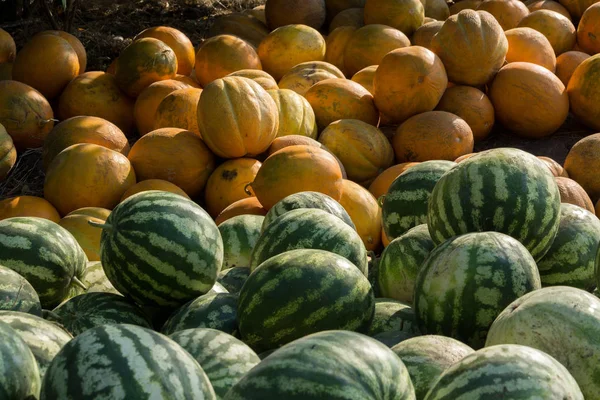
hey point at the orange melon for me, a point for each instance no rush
(148, 101)
(25, 114)
(558, 29)
(582, 162)
(334, 7)
(227, 183)
(95, 212)
(364, 212)
(8, 48)
(508, 13)
(584, 92)
(365, 77)
(87, 175)
(75, 44)
(153, 184)
(588, 30)
(287, 12)
(351, 17)
(258, 12)
(259, 76)
(241, 25)
(571, 192)
(96, 94)
(404, 15)
(555, 168)
(173, 155)
(247, 206)
(576, 8)
(179, 110)
(336, 46)
(424, 35)
(237, 117)
(28, 206)
(296, 116)
(550, 5)
(303, 76)
(8, 153)
(436, 9)
(178, 42)
(382, 183)
(188, 80)
(529, 45)
(83, 129)
(464, 5)
(86, 235)
(288, 46)
(566, 64)
(221, 55)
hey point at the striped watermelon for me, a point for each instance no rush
(504, 190)
(310, 229)
(314, 200)
(16, 294)
(572, 256)
(161, 249)
(89, 310)
(427, 357)
(213, 310)
(401, 261)
(506, 372)
(218, 288)
(224, 359)
(468, 280)
(301, 292)
(233, 278)
(95, 279)
(392, 338)
(45, 254)
(19, 375)
(393, 316)
(240, 235)
(333, 365)
(561, 321)
(405, 203)
(45, 339)
(125, 362)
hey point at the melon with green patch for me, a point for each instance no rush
(17, 294)
(240, 235)
(95, 279)
(503, 190)
(19, 375)
(468, 280)
(233, 279)
(393, 316)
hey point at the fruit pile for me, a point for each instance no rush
(294, 209)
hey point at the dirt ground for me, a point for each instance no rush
(105, 27)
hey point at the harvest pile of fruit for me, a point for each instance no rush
(231, 222)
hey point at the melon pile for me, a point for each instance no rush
(294, 208)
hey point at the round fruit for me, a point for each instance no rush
(581, 161)
(393, 316)
(382, 183)
(404, 15)
(558, 29)
(529, 45)
(567, 63)
(148, 101)
(286, 12)
(178, 42)
(424, 35)
(153, 184)
(334, 7)
(75, 44)
(8, 153)
(233, 278)
(28, 206)
(20, 376)
(351, 17)
(95, 212)
(8, 48)
(588, 30)
(259, 76)
(508, 13)
(551, 5)
(179, 109)
(571, 192)
(86, 235)
(365, 77)
(212, 310)
(365, 213)
(464, 5)
(303, 76)
(17, 294)
(247, 206)
(241, 25)
(584, 92)
(240, 235)
(555, 168)
(296, 116)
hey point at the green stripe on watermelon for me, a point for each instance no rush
(95, 279)
(405, 203)
(224, 359)
(161, 249)
(240, 235)
(45, 254)
(310, 229)
(301, 292)
(393, 316)
(233, 278)
(121, 362)
(392, 338)
(19, 375)
(16, 294)
(333, 365)
(215, 310)
(503, 190)
(468, 280)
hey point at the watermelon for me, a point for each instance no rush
(125, 362)
(314, 200)
(373, 271)
(239, 235)
(392, 316)
(161, 249)
(89, 310)
(307, 228)
(401, 261)
(95, 279)
(233, 278)
(300, 292)
(45, 254)
(333, 365)
(506, 372)
(16, 294)
(427, 357)
(468, 280)
(19, 375)
(392, 338)
(405, 203)
(224, 359)
(561, 321)
(213, 310)
(572, 256)
(218, 288)
(45, 339)
(503, 190)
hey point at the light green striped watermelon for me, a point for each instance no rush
(89, 310)
(572, 256)
(44, 338)
(125, 362)
(468, 280)
(506, 372)
(393, 316)
(313, 200)
(233, 278)
(561, 321)
(161, 249)
(301, 292)
(19, 375)
(45, 254)
(405, 203)
(401, 261)
(95, 279)
(239, 235)
(332, 365)
(427, 357)
(213, 310)
(307, 228)
(16, 294)
(504, 190)
(224, 359)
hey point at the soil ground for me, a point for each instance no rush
(105, 27)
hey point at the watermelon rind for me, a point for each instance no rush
(17, 294)
(233, 278)
(239, 235)
(94, 278)
(19, 375)
(392, 315)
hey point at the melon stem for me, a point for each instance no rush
(79, 283)
(99, 225)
